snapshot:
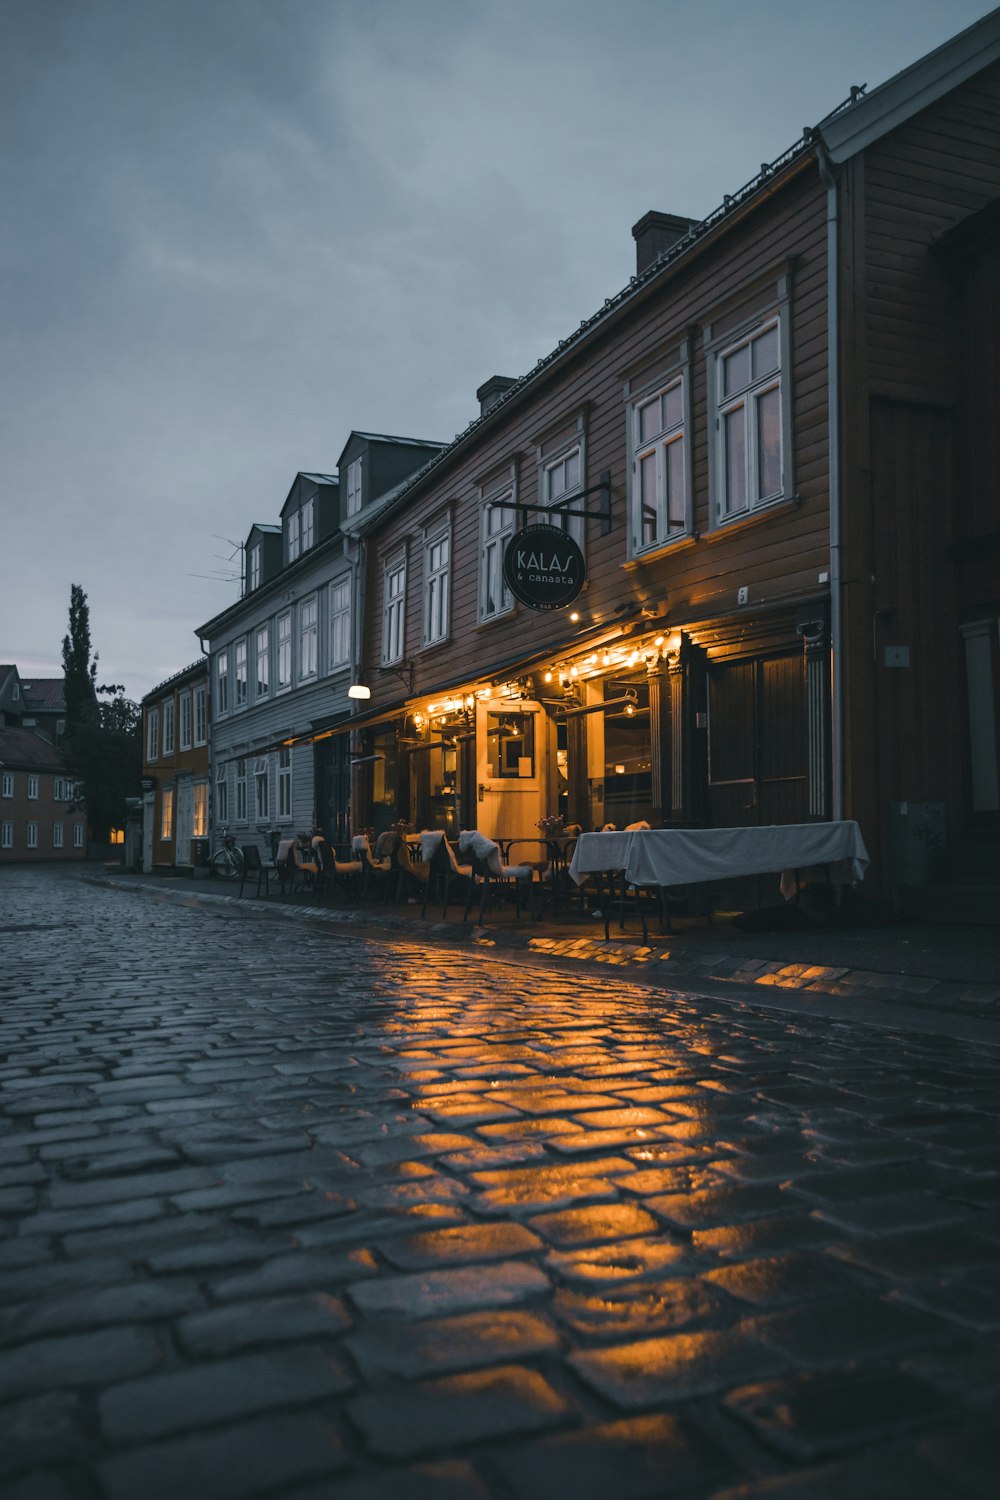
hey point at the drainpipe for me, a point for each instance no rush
(833, 422)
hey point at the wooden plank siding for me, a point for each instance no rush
(777, 555)
(901, 504)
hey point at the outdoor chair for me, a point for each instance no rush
(443, 870)
(376, 874)
(284, 865)
(342, 874)
(304, 870)
(492, 874)
(254, 868)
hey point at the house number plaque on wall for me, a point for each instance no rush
(543, 567)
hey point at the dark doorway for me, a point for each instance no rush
(757, 751)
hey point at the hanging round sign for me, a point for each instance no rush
(543, 567)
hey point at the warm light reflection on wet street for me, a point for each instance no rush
(337, 1218)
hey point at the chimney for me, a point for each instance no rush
(491, 390)
(654, 233)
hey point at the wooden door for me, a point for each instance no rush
(757, 753)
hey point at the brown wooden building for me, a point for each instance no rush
(175, 768)
(791, 413)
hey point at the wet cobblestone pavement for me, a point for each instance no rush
(284, 1213)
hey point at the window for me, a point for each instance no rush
(199, 821)
(77, 835)
(284, 652)
(32, 832)
(222, 793)
(393, 602)
(185, 705)
(292, 542)
(8, 784)
(253, 567)
(261, 798)
(307, 524)
(497, 530)
(32, 788)
(437, 561)
(57, 835)
(152, 733)
(510, 746)
(240, 674)
(241, 791)
(263, 662)
(354, 487)
(6, 835)
(200, 716)
(308, 631)
(167, 813)
(15, 691)
(659, 493)
(168, 727)
(284, 785)
(222, 682)
(340, 623)
(750, 450)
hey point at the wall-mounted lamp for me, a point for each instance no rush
(358, 690)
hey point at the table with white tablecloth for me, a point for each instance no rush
(686, 856)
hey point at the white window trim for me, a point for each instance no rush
(31, 835)
(152, 734)
(200, 702)
(57, 836)
(637, 399)
(222, 793)
(241, 794)
(262, 693)
(32, 788)
(307, 632)
(253, 567)
(6, 835)
(354, 486)
(719, 348)
(307, 533)
(440, 576)
(8, 784)
(169, 726)
(283, 781)
(286, 686)
(241, 700)
(77, 835)
(262, 776)
(187, 721)
(497, 495)
(293, 546)
(167, 815)
(222, 683)
(336, 614)
(394, 612)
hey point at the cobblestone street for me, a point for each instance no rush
(290, 1213)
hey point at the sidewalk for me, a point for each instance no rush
(885, 972)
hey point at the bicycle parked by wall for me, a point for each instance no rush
(227, 861)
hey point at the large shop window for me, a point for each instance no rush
(750, 451)
(660, 490)
(510, 746)
(619, 755)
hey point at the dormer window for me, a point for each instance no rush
(306, 524)
(292, 538)
(253, 567)
(354, 487)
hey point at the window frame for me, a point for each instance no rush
(262, 780)
(437, 588)
(293, 547)
(355, 480)
(307, 524)
(670, 434)
(7, 785)
(186, 720)
(283, 780)
(747, 397)
(500, 496)
(240, 804)
(393, 645)
(262, 681)
(32, 788)
(283, 649)
(152, 734)
(241, 673)
(199, 810)
(77, 835)
(31, 835)
(339, 619)
(222, 682)
(169, 724)
(167, 815)
(222, 793)
(6, 834)
(254, 567)
(57, 836)
(309, 638)
(200, 698)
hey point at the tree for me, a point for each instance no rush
(102, 745)
(79, 672)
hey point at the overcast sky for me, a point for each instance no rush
(235, 229)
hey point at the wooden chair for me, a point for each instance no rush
(254, 868)
(343, 875)
(444, 870)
